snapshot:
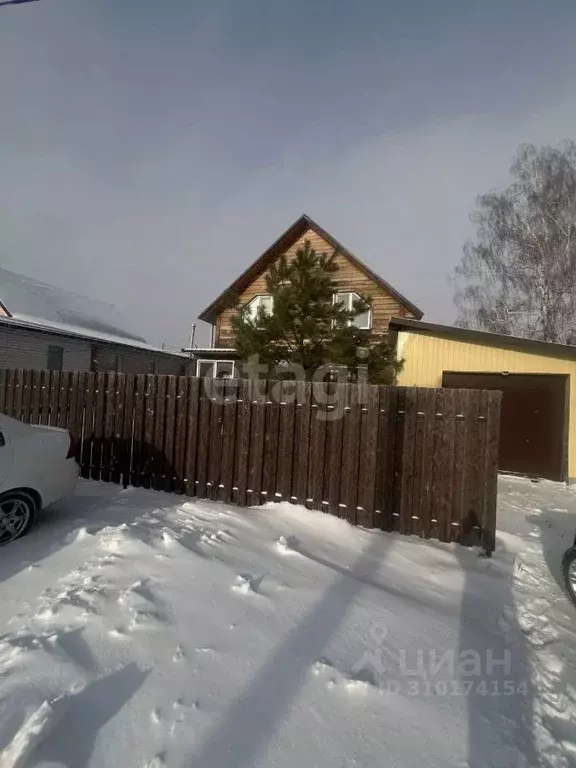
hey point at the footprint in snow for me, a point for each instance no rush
(245, 583)
(287, 545)
(178, 654)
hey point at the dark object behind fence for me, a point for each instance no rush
(413, 460)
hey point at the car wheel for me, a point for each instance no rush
(569, 573)
(17, 511)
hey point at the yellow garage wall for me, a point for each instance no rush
(426, 357)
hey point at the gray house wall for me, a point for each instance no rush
(26, 349)
(136, 360)
(21, 348)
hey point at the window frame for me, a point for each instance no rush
(214, 364)
(258, 298)
(349, 308)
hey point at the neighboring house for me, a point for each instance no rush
(45, 327)
(537, 378)
(353, 278)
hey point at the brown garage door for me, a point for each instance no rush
(533, 422)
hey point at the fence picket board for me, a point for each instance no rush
(317, 447)
(286, 439)
(408, 461)
(256, 457)
(26, 395)
(3, 388)
(106, 452)
(44, 414)
(10, 392)
(427, 406)
(457, 507)
(88, 438)
(243, 431)
(18, 394)
(192, 421)
(446, 470)
(470, 514)
(138, 431)
(127, 434)
(80, 415)
(301, 441)
(157, 446)
(334, 449)
(147, 445)
(271, 436)
(54, 398)
(491, 488)
(369, 421)
(118, 457)
(414, 526)
(169, 427)
(63, 399)
(350, 456)
(98, 432)
(216, 438)
(228, 441)
(482, 473)
(380, 501)
(204, 437)
(75, 389)
(398, 459)
(180, 433)
(36, 394)
(392, 478)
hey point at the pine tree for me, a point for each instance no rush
(307, 327)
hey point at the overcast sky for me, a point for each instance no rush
(151, 149)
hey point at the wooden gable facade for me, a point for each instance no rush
(352, 275)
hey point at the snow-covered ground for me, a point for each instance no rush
(142, 629)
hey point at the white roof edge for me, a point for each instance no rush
(213, 350)
(64, 330)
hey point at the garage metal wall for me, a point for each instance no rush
(426, 357)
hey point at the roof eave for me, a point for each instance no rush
(532, 346)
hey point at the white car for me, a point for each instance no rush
(37, 468)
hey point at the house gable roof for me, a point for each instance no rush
(30, 301)
(290, 236)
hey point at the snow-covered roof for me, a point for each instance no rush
(30, 300)
(38, 306)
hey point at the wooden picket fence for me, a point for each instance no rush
(413, 460)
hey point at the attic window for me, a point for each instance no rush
(364, 319)
(264, 301)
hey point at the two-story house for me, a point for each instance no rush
(353, 278)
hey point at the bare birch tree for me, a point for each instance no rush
(519, 277)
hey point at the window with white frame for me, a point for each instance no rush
(347, 298)
(264, 301)
(215, 369)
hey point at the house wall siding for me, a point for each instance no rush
(137, 361)
(25, 349)
(349, 277)
(426, 357)
(20, 348)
